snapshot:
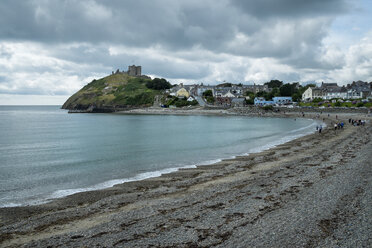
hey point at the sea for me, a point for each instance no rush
(46, 153)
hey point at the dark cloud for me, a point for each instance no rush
(171, 24)
(264, 9)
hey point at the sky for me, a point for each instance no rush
(50, 49)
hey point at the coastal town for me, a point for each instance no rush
(239, 95)
(274, 93)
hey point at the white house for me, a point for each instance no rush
(335, 93)
(311, 93)
(308, 94)
(229, 94)
(190, 99)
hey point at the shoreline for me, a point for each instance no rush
(60, 194)
(124, 196)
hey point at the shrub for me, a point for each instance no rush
(249, 101)
(268, 107)
(194, 102)
(210, 99)
(180, 102)
(361, 104)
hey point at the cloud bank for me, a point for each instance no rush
(56, 47)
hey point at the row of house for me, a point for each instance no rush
(328, 91)
(225, 96)
(220, 91)
(235, 95)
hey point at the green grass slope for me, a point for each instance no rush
(112, 92)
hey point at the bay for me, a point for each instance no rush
(46, 153)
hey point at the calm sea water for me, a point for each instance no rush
(46, 153)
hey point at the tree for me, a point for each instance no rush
(208, 93)
(158, 84)
(296, 97)
(224, 85)
(250, 94)
(274, 83)
(264, 94)
(260, 94)
(275, 92)
(287, 89)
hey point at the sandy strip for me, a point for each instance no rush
(310, 192)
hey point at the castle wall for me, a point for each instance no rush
(134, 70)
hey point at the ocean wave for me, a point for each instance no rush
(111, 183)
(309, 130)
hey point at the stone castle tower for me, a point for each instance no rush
(134, 70)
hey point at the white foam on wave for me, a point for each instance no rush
(10, 205)
(111, 183)
(304, 128)
(23, 203)
(288, 138)
(142, 176)
(209, 162)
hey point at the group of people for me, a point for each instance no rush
(339, 125)
(357, 122)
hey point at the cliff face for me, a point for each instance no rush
(111, 93)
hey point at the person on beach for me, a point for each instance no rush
(320, 129)
(335, 126)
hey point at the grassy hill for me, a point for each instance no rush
(117, 91)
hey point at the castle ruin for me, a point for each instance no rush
(134, 70)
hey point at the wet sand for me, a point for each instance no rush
(314, 191)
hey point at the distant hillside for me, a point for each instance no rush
(115, 92)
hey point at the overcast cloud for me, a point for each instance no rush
(53, 48)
